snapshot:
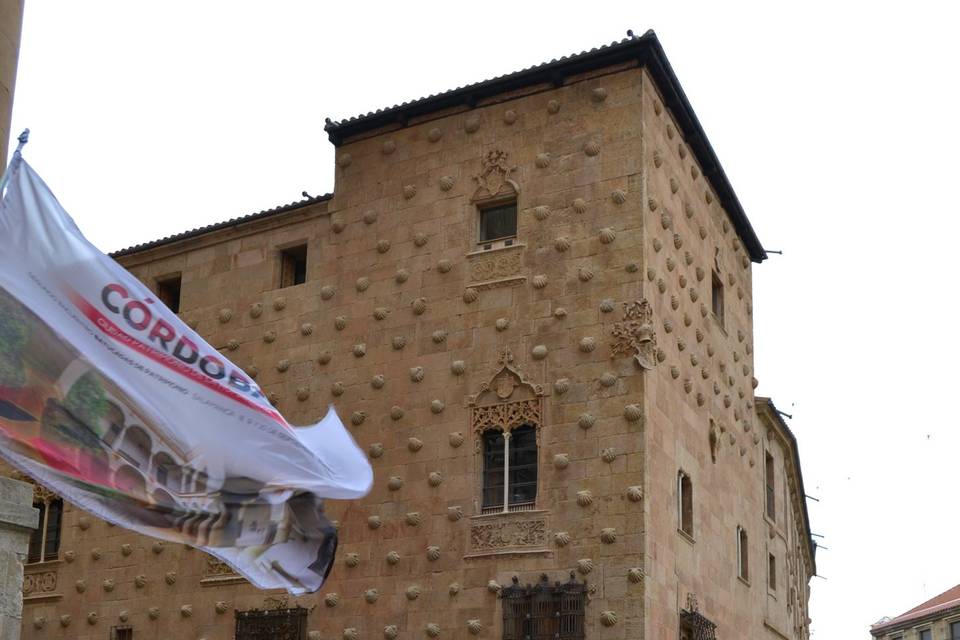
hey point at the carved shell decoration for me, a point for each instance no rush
(399, 342)
(380, 313)
(414, 444)
(283, 365)
(153, 612)
(363, 283)
(331, 599)
(109, 585)
(383, 246)
(584, 566)
(553, 107)
(560, 313)
(393, 557)
(539, 281)
(70, 556)
(453, 589)
(157, 547)
(388, 147)
(351, 634)
(170, 577)
(432, 629)
(140, 581)
(256, 309)
(96, 553)
(635, 575)
(471, 124)
(634, 493)
(303, 393)
(419, 305)
(454, 513)
(186, 610)
(585, 274)
(608, 454)
(221, 606)
(344, 160)
(416, 374)
(413, 519)
(561, 386)
(433, 553)
(585, 421)
(561, 461)
(608, 618)
(225, 315)
(306, 329)
(579, 205)
(351, 559)
(394, 483)
(371, 595)
(340, 323)
(126, 549)
(360, 350)
(509, 116)
(435, 479)
(269, 336)
(539, 352)
(446, 183)
(336, 388)
(409, 191)
(337, 224)
(390, 632)
(412, 592)
(608, 535)
(619, 196)
(470, 295)
(561, 244)
(434, 134)
(455, 439)
(493, 586)
(436, 406)
(584, 498)
(475, 626)
(357, 418)
(633, 413)
(444, 265)
(374, 522)
(607, 305)
(543, 160)
(80, 585)
(588, 344)
(92, 617)
(607, 235)
(561, 538)
(327, 292)
(401, 276)
(457, 367)
(608, 379)
(439, 336)
(591, 148)
(396, 412)
(280, 304)
(541, 213)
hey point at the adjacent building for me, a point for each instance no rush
(936, 619)
(531, 299)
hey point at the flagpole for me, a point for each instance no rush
(22, 139)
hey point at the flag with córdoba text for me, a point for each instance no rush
(111, 401)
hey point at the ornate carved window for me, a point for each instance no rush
(45, 539)
(544, 611)
(272, 624)
(506, 417)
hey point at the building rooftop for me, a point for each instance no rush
(949, 599)
(642, 51)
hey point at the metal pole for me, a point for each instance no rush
(21, 140)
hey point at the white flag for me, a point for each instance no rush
(107, 398)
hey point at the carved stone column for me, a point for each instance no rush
(17, 519)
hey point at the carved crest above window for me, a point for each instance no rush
(508, 400)
(635, 334)
(494, 181)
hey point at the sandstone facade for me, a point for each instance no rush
(596, 326)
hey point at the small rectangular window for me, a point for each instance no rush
(685, 503)
(772, 572)
(293, 266)
(168, 290)
(717, 297)
(743, 554)
(770, 481)
(45, 539)
(926, 634)
(498, 222)
(509, 469)
(955, 631)
(121, 633)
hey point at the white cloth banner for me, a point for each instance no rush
(111, 401)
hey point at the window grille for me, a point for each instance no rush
(121, 633)
(272, 624)
(544, 611)
(694, 626)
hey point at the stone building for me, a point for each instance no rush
(531, 299)
(936, 619)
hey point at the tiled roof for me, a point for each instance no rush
(949, 599)
(307, 201)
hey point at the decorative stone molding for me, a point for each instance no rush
(494, 181)
(508, 533)
(40, 585)
(635, 334)
(507, 401)
(218, 572)
(495, 268)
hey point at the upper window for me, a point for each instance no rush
(685, 503)
(45, 539)
(955, 631)
(926, 634)
(743, 554)
(293, 266)
(168, 290)
(121, 633)
(498, 223)
(511, 486)
(717, 297)
(769, 481)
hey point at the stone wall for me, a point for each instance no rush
(11, 16)
(17, 519)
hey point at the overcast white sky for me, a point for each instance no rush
(836, 123)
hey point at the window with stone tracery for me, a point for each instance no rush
(509, 469)
(45, 539)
